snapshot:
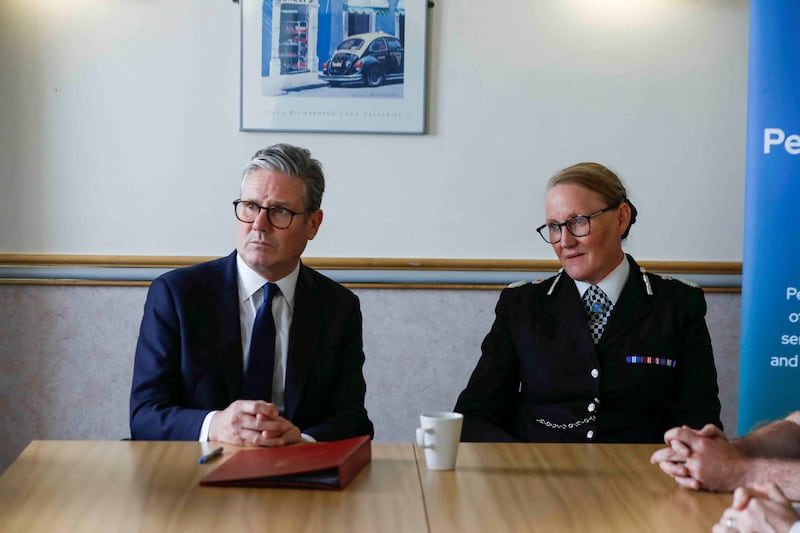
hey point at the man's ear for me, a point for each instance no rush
(314, 222)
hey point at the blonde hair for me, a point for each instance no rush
(596, 178)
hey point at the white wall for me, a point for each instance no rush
(120, 129)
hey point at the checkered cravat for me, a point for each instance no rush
(598, 307)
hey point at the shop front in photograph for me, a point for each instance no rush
(293, 28)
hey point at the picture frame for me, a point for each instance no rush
(333, 65)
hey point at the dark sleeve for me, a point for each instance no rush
(696, 401)
(345, 414)
(157, 389)
(489, 402)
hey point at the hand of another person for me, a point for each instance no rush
(672, 458)
(252, 423)
(677, 451)
(760, 509)
(700, 459)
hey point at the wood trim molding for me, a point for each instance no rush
(367, 263)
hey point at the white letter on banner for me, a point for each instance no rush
(792, 144)
(769, 140)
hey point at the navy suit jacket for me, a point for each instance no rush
(189, 355)
(540, 377)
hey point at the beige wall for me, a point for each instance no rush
(66, 356)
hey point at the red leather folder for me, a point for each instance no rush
(321, 465)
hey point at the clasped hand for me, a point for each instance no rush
(700, 459)
(762, 508)
(253, 423)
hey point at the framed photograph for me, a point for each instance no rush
(333, 65)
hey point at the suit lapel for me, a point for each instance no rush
(630, 309)
(230, 340)
(306, 330)
(565, 312)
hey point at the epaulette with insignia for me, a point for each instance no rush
(686, 282)
(523, 282)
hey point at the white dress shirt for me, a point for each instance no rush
(612, 284)
(250, 298)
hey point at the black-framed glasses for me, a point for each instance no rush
(278, 217)
(578, 226)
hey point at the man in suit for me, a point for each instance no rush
(601, 352)
(224, 355)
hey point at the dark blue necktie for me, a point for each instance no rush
(261, 360)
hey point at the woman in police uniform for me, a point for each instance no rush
(603, 351)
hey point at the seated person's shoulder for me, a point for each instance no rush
(535, 288)
(673, 284)
(525, 284)
(194, 276)
(794, 417)
(332, 287)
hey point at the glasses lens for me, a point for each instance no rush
(542, 231)
(279, 217)
(579, 226)
(246, 211)
(553, 233)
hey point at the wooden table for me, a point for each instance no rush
(562, 487)
(85, 486)
(152, 486)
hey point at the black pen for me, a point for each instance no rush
(210, 455)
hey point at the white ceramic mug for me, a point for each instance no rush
(439, 434)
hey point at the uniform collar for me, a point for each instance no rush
(251, 281)
(612, 284)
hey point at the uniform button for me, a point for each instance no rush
(595, 372)
(589, 434)
(592, 407)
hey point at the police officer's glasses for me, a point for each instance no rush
(278, 217)
(578, 226)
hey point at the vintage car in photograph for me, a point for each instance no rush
(370, 58)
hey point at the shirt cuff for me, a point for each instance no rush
(309, 438)
(206, 426)
(795, 527)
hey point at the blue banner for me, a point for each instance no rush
(769, 371)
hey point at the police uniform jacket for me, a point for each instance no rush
(540, 377)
